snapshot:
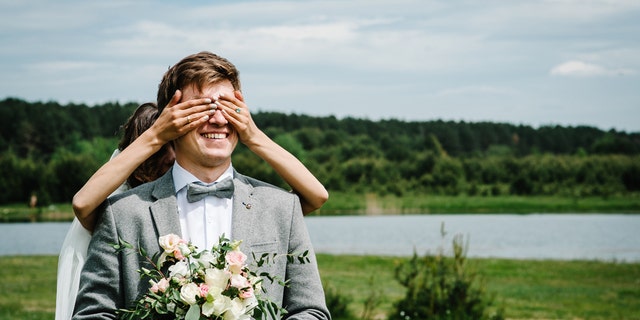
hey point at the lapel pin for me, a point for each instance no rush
(247, 205)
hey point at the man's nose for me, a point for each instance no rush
(218, 118)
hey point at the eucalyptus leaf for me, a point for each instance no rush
(193, 313)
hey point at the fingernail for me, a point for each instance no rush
(207, 100)
(213, 106)
(206, 117)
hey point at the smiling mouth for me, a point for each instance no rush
(214, 135)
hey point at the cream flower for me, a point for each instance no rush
(216, 278)
(236, 311)
(180, 269)
(206, 258)
(189, 292)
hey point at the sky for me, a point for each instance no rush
(524, 62)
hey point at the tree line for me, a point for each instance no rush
(50, 150)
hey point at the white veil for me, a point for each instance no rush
(70, 262)
(72, 257)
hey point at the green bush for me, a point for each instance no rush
(337, 303)
(440, 287)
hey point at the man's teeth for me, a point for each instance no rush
(214, 135)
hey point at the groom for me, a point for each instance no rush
(265, 218)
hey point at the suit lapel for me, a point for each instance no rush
(164, 211)
(244, 212)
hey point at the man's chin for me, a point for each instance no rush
(216, 159)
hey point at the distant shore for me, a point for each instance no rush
(371, 204)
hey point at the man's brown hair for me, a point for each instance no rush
(197, 70)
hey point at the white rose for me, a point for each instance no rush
(236, 310)
(206, 258)
(207, 308)
(221, 305)
(216, 278)
(180, 269)
(189, 292)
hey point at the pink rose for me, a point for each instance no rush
(178, 254)
(163, 285)
(236, 260)
(204, 290)
(160, 286)
(239, 281)
(246, 292)
(170, 242)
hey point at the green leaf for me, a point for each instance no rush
(193, 313)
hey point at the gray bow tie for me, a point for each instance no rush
(197, 191)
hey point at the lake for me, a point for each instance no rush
(609, 237)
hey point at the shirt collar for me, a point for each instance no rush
(182, 177)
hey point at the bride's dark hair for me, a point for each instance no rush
(141, 120)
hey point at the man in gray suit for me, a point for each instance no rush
(265, 218)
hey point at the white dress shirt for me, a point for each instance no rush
(204, 221)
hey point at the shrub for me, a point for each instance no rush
(337, 303)
(440, 287)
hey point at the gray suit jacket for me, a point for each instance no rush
(273, 223)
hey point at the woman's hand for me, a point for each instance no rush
(312, 193)
(177, 119)
(237, 113)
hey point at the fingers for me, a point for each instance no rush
(185, 105)
(191, 110)
(235, 110)
(195, 120)
(195, 116)
(188, 115)
(175, 99)
(233, 106)
(179, 118)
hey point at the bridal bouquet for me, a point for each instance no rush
(209, 284)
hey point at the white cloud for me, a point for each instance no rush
(332, 57)
(577, 68)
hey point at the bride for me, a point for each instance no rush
(144, 154)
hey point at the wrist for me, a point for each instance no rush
(257, 139)
(151, 138)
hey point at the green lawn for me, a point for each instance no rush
(527, 289)
(374, 204)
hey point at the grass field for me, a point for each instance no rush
(526, 289)
(373, 204)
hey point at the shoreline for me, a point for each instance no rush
(375, 205)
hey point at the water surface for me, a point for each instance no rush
(536, 236)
